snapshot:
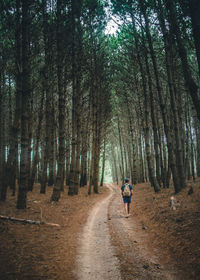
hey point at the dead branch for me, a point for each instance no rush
(27, 221)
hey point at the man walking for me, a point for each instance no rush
(127, 192)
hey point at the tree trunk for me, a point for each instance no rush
(152, 176)
(52, 146)
(194, 6)
(197, 133)
(46, 89)
(134, 175)
(103, 162)
(153, 118)
(141, 168)
(68, 153)
(177, 128)
(146, 122)
(3, 186)
(36, 154)
(163, 158)
(24, 175)
(120, 145)
(91, 168)
(191, 141)
(115, 167)
(189, 81)
(76, 88)
(61, 103)
(84, 153)
(170, 142)
(95, 154)
(15, 127)
(83, 179)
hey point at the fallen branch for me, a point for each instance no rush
(26, 221)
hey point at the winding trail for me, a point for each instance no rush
(97, 256)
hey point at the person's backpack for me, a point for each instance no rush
(127, 191)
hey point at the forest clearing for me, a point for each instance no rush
(95, 94)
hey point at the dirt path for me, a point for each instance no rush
(105, 254)
(97, 259)
(154, 243)
(139, 259)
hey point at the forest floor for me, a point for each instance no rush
(95, 241)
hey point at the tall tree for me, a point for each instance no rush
(189, 80)
(24, 175)
(61, 105)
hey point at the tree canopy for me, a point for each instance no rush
(77, 99)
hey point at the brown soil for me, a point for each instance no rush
(96, 255)
(161, 243)
(39, 251)
(175, 232)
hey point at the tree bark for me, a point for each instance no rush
(61, 103)
(24, 175)
(194, 6)
(134, 175)
(3, 185)
(15, 126)
(152, 177)
(52, 146)
(197, 133)
(36, 153)
(76, 81)
(68, 153)
(46, 89)
(120, 145)
(189, 81)
(153, 118)
(103, 162)
(179, 178)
